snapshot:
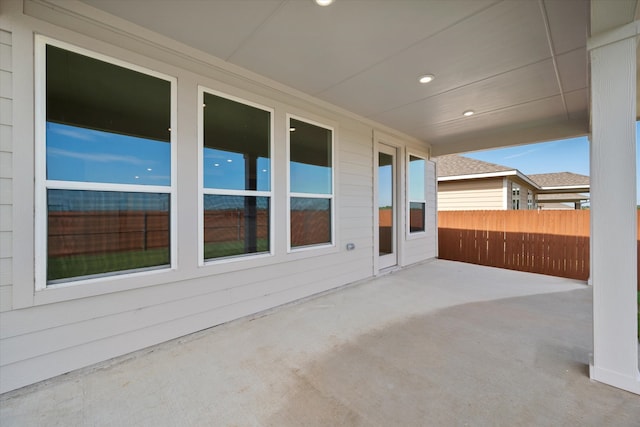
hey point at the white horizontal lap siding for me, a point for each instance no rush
(470, 195)
(6, 172)
(355, 199)
(355, 176)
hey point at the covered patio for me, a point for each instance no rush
(438, 343)
(385, 88)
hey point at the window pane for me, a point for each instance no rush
(416, 216)
(385, 203)
(416, 194)
(235, 225)
(87, 155)
(236, 145)
(310, 158)
(310, 221)
(96, 232)
(105, 123)
(416, 178)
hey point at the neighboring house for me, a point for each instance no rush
(561, 190)
(470, 184)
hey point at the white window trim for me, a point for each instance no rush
(224, 192)
(415, 234)
(42, 184)
(291, 194)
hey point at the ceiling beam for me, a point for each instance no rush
(499, 138)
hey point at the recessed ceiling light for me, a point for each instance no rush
(216, 164)
(426, 78)
(324, 2)
(468, 113)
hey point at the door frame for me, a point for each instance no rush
(381, 140)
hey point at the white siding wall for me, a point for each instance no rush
(6, 171)
(471, 195)
(58, 330)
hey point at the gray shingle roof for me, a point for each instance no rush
(559, 179)
(454, 165)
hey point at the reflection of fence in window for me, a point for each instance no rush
(86, 233)
(310, 227)
(416, 217)
(230, 225)
(385, 231)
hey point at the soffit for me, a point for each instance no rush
(520, 65)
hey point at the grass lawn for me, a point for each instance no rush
(86, 265)
(235, 247)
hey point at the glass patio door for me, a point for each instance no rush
(387, 230)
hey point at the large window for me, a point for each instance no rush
(417, 202)
(105, 166)
(310, 184)
(236, 177)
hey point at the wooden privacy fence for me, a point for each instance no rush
(547, 242)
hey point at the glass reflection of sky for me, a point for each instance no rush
(416, 178)
(226, 170)
(385, 184)
(307, 178)
(87, 155)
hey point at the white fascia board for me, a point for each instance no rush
(478, 175)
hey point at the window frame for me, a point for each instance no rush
(42, 184)
(331, 197)
(515, 196)
(414, 234)
(202, 191)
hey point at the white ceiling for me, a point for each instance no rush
(521, 65)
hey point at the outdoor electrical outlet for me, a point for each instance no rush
(351, 246)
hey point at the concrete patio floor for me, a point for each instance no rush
(438, 344)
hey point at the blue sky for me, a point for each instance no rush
(88, 155)
(569, 155)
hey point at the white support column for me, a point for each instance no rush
(613, 209)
